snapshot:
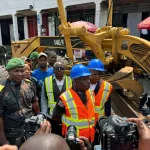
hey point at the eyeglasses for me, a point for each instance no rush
(59, 68)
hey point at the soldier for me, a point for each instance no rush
(34, 58)
(17, 102)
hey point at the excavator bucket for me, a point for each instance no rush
(125, 97)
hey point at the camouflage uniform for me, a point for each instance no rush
(33, 56)
(15, 107)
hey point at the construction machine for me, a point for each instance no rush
(114, 46)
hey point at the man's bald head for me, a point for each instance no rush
(59, 63)
(45, 142)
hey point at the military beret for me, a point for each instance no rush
(14, 63)
(34, 55)
(24, 58)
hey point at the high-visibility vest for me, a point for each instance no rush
(49, 90)
(101, 98)
(77, 114)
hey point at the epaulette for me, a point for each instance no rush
(1, 87)
(28, 80)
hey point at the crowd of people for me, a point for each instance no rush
(38, 86)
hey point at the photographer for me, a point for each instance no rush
(117, 133)
(45, 128)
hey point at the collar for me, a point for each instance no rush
(13, 84)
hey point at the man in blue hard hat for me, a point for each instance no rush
(101, 88)
(76, 105)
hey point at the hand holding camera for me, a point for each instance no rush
(77, 143)
(84, 143)
(33, 124)
(45, 127)
(118, 133)
(144, 133)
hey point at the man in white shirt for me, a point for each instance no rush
(52, 88)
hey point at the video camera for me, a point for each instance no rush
(71, 138)
(117, 134)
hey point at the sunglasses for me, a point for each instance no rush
(59, 68)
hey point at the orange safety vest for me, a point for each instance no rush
(101, 98)
(78, 115)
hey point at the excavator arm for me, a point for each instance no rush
(121, 45)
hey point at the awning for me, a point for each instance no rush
(145, 24)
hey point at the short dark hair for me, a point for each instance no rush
(52, 53)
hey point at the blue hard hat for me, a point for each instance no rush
(96, 64)
(79, 70)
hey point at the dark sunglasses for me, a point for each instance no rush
(59, 68)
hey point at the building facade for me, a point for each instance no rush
(130, 16)
(22, 19)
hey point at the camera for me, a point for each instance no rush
(35, 120)
(32, 124)
(71, 138)
(117, 134)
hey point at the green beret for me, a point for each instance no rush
(14, 63)
(34, 55)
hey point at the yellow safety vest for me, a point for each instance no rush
(49, 91)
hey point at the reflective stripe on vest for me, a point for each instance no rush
(106, 93)
(49, 91)
(1, 87)
(92, 97)
(70, 104)
(68, 82)
(80, 124)
(73, 119)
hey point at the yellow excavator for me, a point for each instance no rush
(112, 45)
